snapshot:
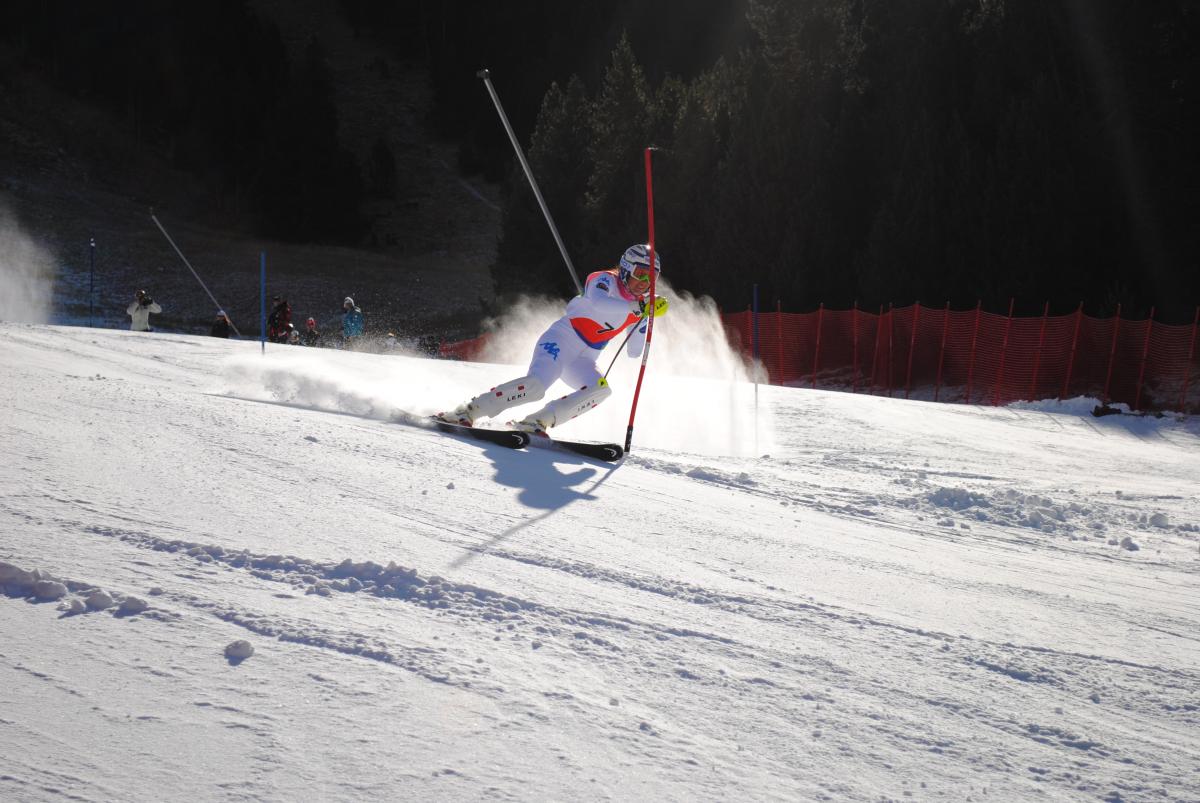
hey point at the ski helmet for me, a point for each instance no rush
(637, 256)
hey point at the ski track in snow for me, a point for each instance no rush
(837, 621)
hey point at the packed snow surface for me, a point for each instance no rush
(227, 574)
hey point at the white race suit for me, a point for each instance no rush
(568, 350)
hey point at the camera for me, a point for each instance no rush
(146, 300)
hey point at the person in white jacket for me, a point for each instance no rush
(612, 301)
(140, 311)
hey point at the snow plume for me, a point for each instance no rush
(26, 271)
(325, 379)
(696, 394)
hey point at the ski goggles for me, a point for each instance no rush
(641, 273)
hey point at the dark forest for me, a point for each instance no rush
(831, 151)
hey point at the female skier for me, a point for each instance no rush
(612, 300)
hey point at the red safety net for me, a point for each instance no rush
(966, 356)
(468, 350)
(977, 357)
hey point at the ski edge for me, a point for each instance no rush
(510, 438)
(608, 452)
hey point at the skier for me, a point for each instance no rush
(139, 311)
(612, 300)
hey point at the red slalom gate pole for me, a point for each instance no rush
(637, 391)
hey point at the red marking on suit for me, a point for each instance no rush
(604, 310)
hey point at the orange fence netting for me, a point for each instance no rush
(966, 356)
(977, 357)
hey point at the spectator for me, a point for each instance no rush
(278, 320)
(140, 311)
(292, 336)
(389, 342)
(221, 326)
(311, 336)
(352, 323)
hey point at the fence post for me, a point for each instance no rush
(875, 354)
(262, 300)
(1187, 366)
(1037, 359)
(937, 388)
(754, 331)
(891, 343)
(912, 345)
(779, 337)
(817, 350)
(1137, 398)
(854, 329)
(92, 280)
(1071, 359)
(1003, 354)
(1112, 353)
(974, 340)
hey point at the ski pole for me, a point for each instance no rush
(189, 267)
(650, 323)
(632, 329)
(485, 75)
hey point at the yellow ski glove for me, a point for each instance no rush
(660, 307)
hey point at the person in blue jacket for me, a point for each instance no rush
(352, 323)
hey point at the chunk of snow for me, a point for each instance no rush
(239, 650)
(132, 605)
(49, 590)
(98, 601)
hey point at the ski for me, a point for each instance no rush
(511, 438)
(608, 452)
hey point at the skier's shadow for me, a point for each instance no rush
(540, 482)
(540, 485)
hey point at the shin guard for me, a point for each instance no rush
(570, 406)
(510, 394)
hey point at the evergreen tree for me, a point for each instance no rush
(382, 170)
(621, 123)
(528, 258)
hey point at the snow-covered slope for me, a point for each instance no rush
(814, 595)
